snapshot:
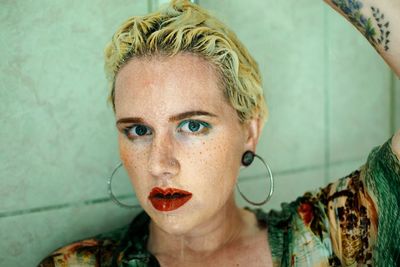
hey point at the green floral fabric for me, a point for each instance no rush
(354, 221)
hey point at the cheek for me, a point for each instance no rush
(225, 153)
(214, 167)
(124, 153)
(131, 155)
(134, 162)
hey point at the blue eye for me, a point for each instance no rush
(193, 126)
(137, 130)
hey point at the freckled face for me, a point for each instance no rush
(176, 130)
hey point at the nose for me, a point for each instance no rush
(162, 162)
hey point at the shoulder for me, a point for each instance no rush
(96, 251)
(339, 224)
(80, 253)
(334, 225)
(383, 168)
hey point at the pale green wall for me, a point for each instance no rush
(327, 88)
(396, 103)
(328, 92)
(57, 134)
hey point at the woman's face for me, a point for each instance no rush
(180, 141)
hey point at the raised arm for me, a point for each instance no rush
(379, 22)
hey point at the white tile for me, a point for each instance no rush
(359, 88)
(287, 187)
(286, 38)
(343, 169)
(58, 137)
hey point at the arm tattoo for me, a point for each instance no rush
(377, 37)
(383, 27)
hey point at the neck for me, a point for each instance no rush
(222, 229)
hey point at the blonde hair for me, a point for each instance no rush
(185, 27)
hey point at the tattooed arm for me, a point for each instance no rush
(379, 22)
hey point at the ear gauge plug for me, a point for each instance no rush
(247, 158)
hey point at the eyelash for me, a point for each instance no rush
(206, 127)
(127, 131)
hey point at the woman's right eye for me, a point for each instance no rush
(135, 131)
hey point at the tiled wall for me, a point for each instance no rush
(331, 100)
(328, 91)
(395, 96)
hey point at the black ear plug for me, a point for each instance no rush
(247, 158)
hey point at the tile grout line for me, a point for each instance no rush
(326, 96)
(60, 206)
(128, 196)
(301, 169)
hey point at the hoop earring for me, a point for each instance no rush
(110, 192)
(247, 159)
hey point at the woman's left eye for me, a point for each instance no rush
(193, 126)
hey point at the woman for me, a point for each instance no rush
(189, 107)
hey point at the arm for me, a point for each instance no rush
(379, 22)
(362, 212)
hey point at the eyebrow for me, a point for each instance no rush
(176, 117)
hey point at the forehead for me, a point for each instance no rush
(173, 84)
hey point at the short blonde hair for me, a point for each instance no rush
(185, 27)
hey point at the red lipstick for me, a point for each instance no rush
(168, 199)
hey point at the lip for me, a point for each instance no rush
(168, 199)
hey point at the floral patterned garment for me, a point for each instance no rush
(352, 222)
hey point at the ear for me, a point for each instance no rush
(252, 130)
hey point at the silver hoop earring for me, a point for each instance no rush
(110, 192)
(247, 159)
